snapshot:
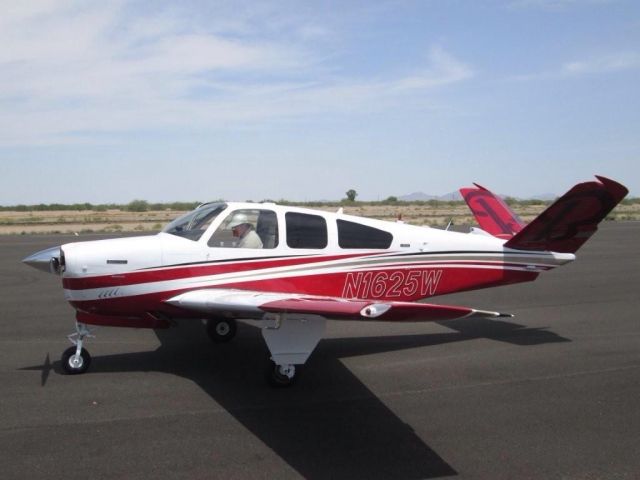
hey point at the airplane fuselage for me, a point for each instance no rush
(135, 276)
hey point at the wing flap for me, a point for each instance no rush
(254, 304)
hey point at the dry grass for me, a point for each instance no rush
(124, 221)
(83, 221)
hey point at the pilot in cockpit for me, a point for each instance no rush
(245, 232)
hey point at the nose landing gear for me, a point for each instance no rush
(76, 359)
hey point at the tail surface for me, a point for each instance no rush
(563, 227)
(571, 220)
(492, 214)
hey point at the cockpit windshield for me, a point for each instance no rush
(193, 224)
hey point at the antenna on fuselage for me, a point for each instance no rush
(449, 224)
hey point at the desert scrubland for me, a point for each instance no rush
(122, 220)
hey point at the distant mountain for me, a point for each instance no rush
(423, 197)
(544, 197)
(450, 197)
(456, 196)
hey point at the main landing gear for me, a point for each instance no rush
(280, 376)
(221, 330)
(290, 340)
(76, 359)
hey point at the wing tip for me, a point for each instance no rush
(490, 314)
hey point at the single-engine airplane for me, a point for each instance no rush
(292, 268)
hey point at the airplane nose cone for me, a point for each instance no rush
(46, 260)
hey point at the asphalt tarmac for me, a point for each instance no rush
(553, 393)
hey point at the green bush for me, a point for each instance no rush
(138, 206)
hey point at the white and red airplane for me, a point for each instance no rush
(292, 268)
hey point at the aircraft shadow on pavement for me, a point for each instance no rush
(503, 331)
(330, 425)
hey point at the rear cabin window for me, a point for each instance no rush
(356, 235)
(306, 231)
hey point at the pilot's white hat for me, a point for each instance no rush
(239, 219)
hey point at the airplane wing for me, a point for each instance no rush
(211, 301)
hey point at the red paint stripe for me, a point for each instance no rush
(176, 273)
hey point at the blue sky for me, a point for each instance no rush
(200, 100)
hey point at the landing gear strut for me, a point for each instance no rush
(290, 340)
(221, 330)
(76, 359)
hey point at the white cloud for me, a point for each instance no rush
(70, 69)
(556, 4)
(603, 64)
(443, 69)
(594, 65)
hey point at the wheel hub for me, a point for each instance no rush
(222, 328)
(287, 370)
(76, 361)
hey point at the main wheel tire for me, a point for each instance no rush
(75, 366)
(276, 378)
(221, 330)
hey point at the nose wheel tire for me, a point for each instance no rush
(73, 364)
(281, 376)
(221, 330)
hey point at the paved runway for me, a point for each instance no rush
(552, 393)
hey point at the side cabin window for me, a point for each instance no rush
(356, 235)
(306, 231)
(247, 228)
